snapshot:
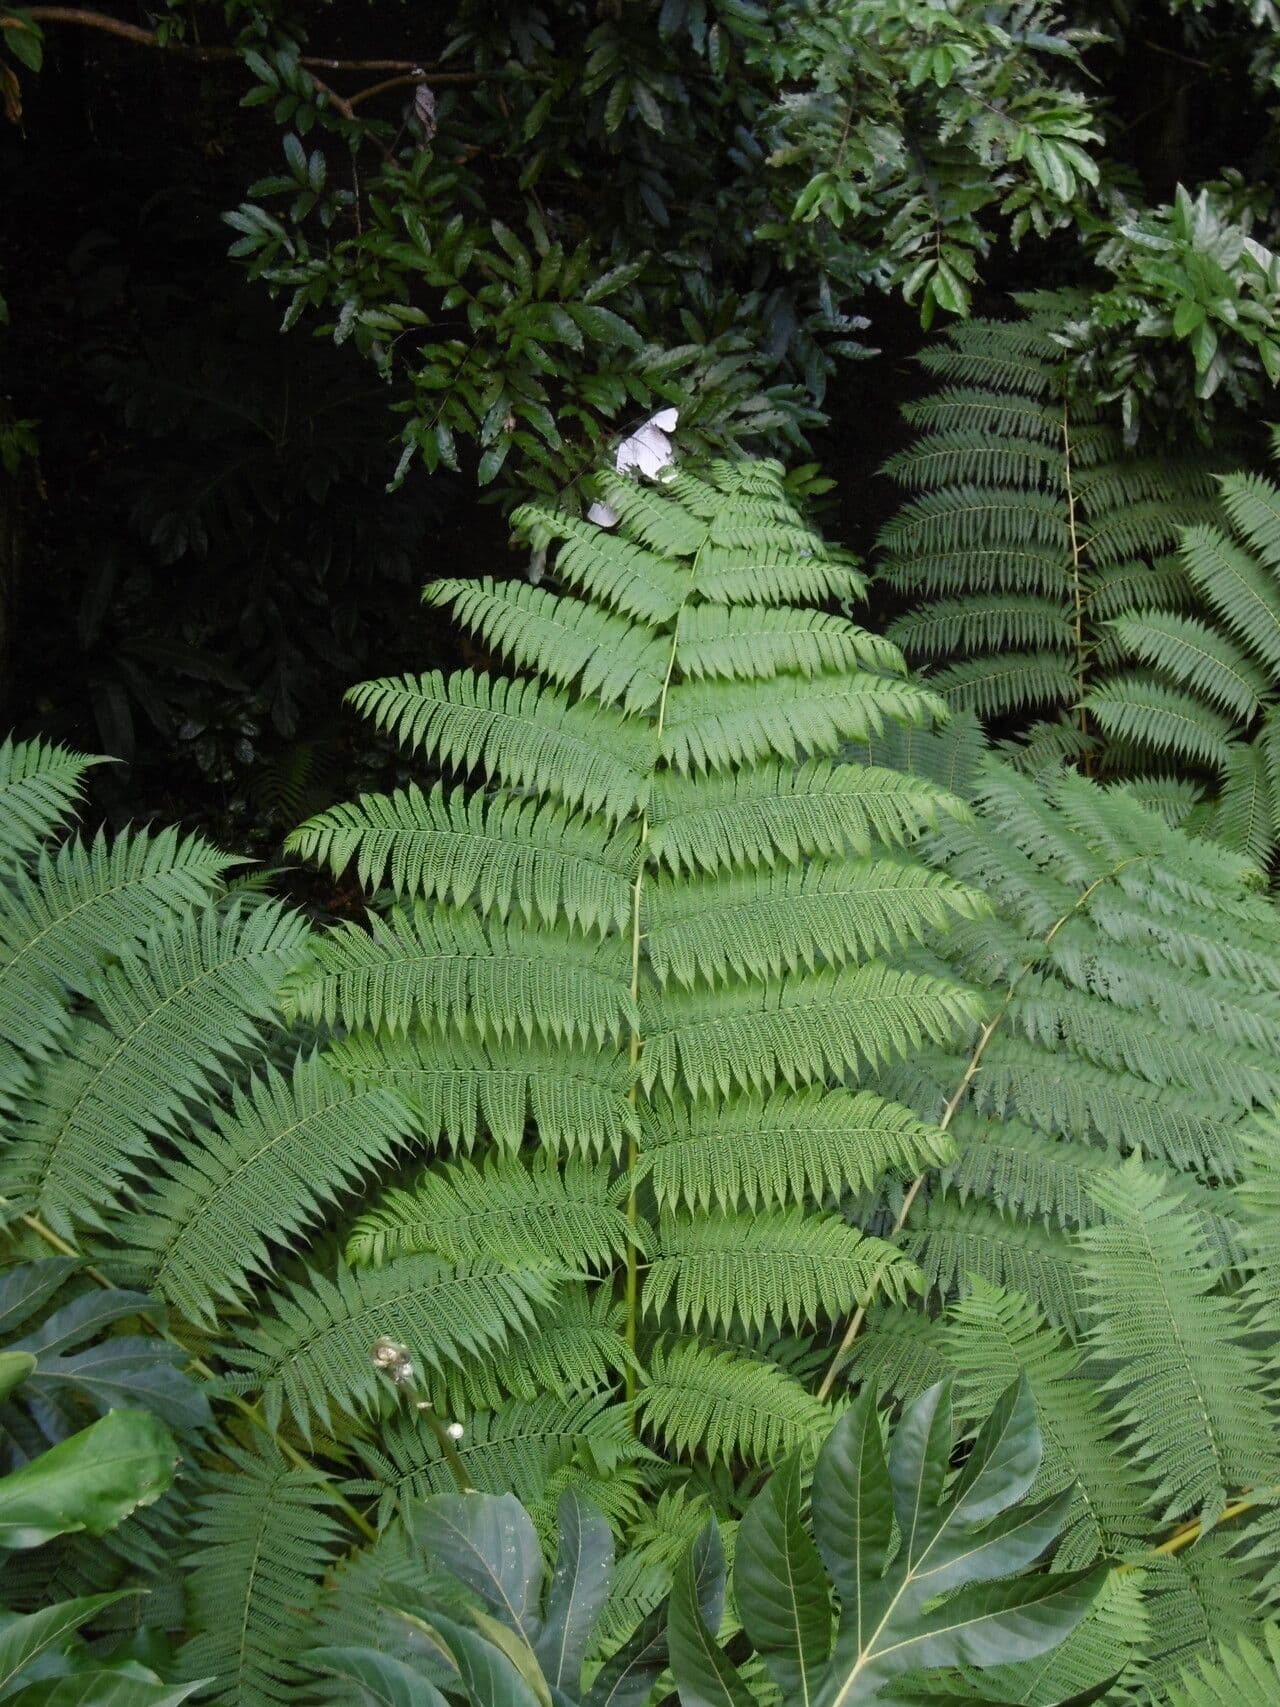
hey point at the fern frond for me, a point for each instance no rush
(1186, 1387)
(953, 1242)
(775, 813)
(778, 1267)
(1142, 712)
(40, 784)
(509, 856)
(1196, 657)
(61, 919)
(563, 640)
(265, 1533)
(1246, 1672)
(815, 1025)
(992, 1337)
(259, 1176)
(577, 1099)
(781, 1149)
(975, 624)
(754, 644)
(518, 734)
(444, 968)
(566, 1215)
(695, 1400)
(532, 1449)
(716, 725)
(763, 924)
(1238, 589)
(308, 1352)
(172, 1021)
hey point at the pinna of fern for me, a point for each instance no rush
(1197, 692)
(644, 944)
(1026, 527)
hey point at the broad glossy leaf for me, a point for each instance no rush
(23, 1638)
(380, 1678)
(780, 1589)
(1003, 1461)
(918, 1463)
(25, 1288)
(91, 1481)
(15, 1366)
(488, 1676)
(579, 1587)
(853, 1503)
(488, 1541)
(103, 1689)
(705, 1676)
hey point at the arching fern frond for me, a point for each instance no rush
(40, 784)
(265, 1533)
(172, 1019)
(700, 1402)
(308, 1351)
(259, 1176)
(566, 1215)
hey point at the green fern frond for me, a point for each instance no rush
(775, 813)
(264, 1533)
(1186, 1387)
(308, 1352)
(577, 1099)
(817, 1025)
(1028, 525)
(762, 924)
(563, 640)
(995, 686)
(40, 785)
(259, 1176)
(992, 1337)
(1142, 712)
(1246, 1672)
(716, 726)
(566, 1215)
(780, 1267)
(509, 856)
(519, 734)
(697, 1401)
(531, 1449)
(173, 1019)
(439, 968)
(1238, 589)
(755, 643)
(781, 1149)
(579, 1347)
(61, 919)
(1195, 656)
(974, 624)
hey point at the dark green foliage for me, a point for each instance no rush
(893, 1537)
(1093, 1229)
(1199, 697)
(1030, 526)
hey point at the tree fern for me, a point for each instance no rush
(650, 917)
(1199, 690)
(1105, 1202)
(1028, 526)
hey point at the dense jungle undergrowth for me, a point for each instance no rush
(639, 946)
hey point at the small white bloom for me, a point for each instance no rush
(647, 451)
(455, 1431)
